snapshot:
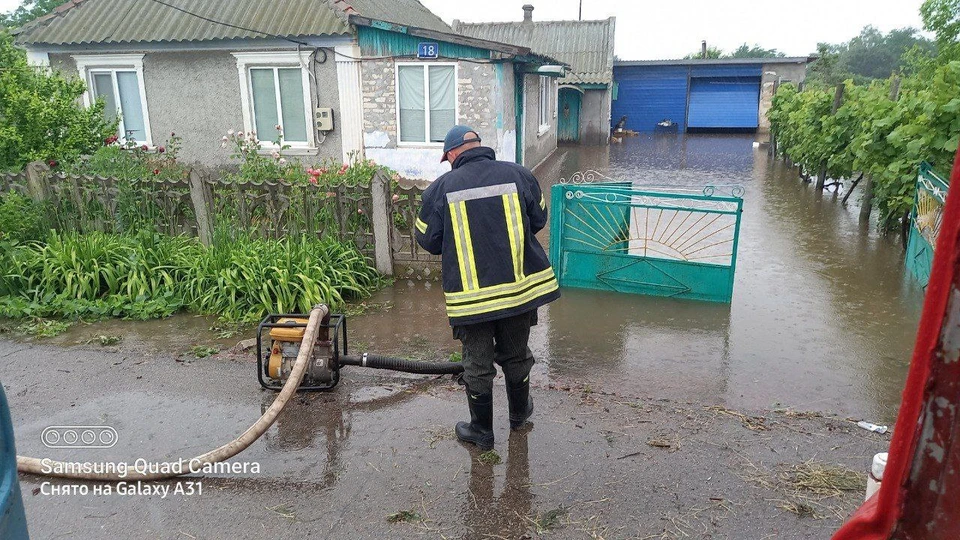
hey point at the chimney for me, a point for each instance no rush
(703, 49)
(528, 13)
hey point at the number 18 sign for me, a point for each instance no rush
(428, 50)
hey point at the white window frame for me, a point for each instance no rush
(88, 65)
(426, 100)
(275, 60)
(546, 89)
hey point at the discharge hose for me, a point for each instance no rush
(376, 361)
(47, 467)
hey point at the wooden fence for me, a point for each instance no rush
(379, 221)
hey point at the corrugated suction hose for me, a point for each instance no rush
(376, 361)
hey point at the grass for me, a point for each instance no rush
(43, 328)
(204, 351)
(809, 489)
(105, 341)
(456, 357)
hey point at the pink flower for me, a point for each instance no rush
(331, 194)
(275, 154)
(359, 210)
(156, 172)
(52, 163)
(313, 179)
(172, 134)
(144, 148)
(282, 161)
(230, 132)
(161, 150)
(396, 198)
(240, 134)
(279, 128)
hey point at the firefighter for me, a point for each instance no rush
(481, 217)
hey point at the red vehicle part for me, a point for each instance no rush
(920, 494)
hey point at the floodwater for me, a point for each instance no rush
(823, 315)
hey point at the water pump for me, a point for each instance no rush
(285, 333)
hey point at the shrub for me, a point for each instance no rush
(21, 218)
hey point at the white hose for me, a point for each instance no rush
(47, 467)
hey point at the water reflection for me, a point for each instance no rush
(507, 516)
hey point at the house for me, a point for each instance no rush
(584, 95)
(727, 94)
(342, 78)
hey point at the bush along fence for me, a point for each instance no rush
(875, 135)
(377, 216)
(90, 247)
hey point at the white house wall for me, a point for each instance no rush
(197, 96)
(485, 102)
(537, 147)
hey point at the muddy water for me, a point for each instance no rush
(822, 318)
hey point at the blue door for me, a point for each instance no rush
(648, 95)
(724, 103)
(568, 110)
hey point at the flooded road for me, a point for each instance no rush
(656, 418)
(822, 317)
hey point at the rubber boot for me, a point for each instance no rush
(519, 402)
(479, 430)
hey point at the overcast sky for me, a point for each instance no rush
(657, 29)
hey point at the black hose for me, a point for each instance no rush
(376, 361)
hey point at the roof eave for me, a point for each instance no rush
(359, 20)
(716, 61)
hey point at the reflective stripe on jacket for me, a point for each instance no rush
(482, 218)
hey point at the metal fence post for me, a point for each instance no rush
(381, 219)
(202, 201)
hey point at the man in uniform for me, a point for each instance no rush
(482, 218)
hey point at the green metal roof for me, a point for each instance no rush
(80, 22)
(587, 46)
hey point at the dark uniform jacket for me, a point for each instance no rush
(482, 217)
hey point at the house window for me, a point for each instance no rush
(545, 90)
(276, 92)
(118, 81)
(427, 102)
(278, 101)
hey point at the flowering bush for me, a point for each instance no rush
(132, 160)
(256, 167)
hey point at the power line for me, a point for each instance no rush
(229, 25)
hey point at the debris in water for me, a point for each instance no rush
(490, 457)
(873, 427)
(404, 516)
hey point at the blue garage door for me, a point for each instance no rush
(724, 103)
(650, 94)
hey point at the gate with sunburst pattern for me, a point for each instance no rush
(926, 218)
(677, 241)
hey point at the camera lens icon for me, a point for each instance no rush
(79, 437)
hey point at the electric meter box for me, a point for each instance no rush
(324, 119)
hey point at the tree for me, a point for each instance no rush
(712, 53)
(28, 11)
(745, 51)
(40, 118)
(942, 17)
(828, 69)
(873, 55)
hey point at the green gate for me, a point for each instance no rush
(568, 109)
(675, 242)
(926, 218)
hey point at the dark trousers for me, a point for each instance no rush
(502, 342)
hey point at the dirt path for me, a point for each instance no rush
(377, 458)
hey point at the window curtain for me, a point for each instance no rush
(412, 104)
(103, 89)
(291, 105)
(264, 103)
(443, 101)
(131, 109)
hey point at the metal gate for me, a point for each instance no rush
(675, 242)
(926, 218)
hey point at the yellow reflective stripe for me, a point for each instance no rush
(464, 243)
(511, 209)
(421, 226)
(499, 290)
(504, 303)
(543, 203)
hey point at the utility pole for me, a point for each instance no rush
(581, 10)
